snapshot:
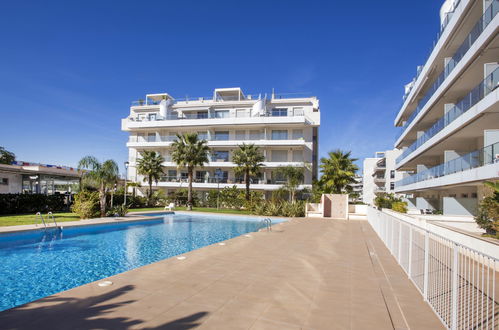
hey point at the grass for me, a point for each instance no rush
(29, 219)
(197, 209)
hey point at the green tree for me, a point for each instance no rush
(189, 151)
(150, 166)
(294, 177)
(338, 172)
(101, 175)
(248, 159)
(134, 186)
(6, 157)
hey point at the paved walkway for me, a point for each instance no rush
(306, 274)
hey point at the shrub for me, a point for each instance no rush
(31, 203)
(117, 211)
(232, 198)
(179, 197)
(488, 214)
(86, 204)
(280, 208)
(399, 207)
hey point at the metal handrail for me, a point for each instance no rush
(268, 223)
(41, 217)
(51, 216)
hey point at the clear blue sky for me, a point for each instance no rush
(69, 69)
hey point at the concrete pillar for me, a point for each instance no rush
(450, 155)
(421, 168)
(486, 4)
(419, 134)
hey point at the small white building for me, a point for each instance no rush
(34, 178)
(285, 127)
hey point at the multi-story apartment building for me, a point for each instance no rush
(379, 175)
(449, 120)
(285, 128)
(356, 195)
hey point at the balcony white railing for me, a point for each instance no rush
(478, 158)
(458, 282)
(474, 34)
(218, 180)
(483, 89)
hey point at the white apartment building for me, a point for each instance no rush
(449, 120)
(379, 175)
(285, 128)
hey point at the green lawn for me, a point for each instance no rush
(197, 209)
(29, 219)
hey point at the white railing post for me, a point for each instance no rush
(426, 264)
(455, 289)
(409, 267)
(400, 244)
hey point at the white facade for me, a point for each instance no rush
(450, 116)
(285, 128)
(379, 175)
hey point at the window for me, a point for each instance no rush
(240, 135)
(222, 114)
(220, 156)
(392, 174)
(184, 175)
(297, 111)
(255, 135)
(242, 113)
(202, 114)
(221, 176)
(4, 181)
(152, 116)
(474, 195)
(222, 136)
(392, 185)
(172, 174)
(279, 134)
(151, 137)
(200, 176)
(279, 112)
(297, 155)
(279, 156)
(203, 135)
(297, 134)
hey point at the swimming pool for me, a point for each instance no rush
(39, 263)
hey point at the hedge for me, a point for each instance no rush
(31, 203)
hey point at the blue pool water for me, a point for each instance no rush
(40, 263)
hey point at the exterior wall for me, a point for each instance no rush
(14, 185)
(450, 116)
(368, 180)
(286, 130)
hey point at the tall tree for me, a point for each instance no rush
(102, 175)
(294, 177)
(6, 157)
(338, 172)
(248, 159)
(189, 151)
(150, 166)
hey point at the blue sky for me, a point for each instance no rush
(69, 70)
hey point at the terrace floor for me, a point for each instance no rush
(305, 274)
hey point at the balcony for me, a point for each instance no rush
(483, 89)
(379, 190)
(379, 180)
(475, 159)
(474, 34)
(165, 141)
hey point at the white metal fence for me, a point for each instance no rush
(458, 282)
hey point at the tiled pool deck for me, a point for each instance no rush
(305, 274)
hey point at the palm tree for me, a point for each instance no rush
(248, 159)
(134, 186)
(294, 177)
(102, 175)
(188, 151)
(150, 167)
(6, 157)
(338, 172)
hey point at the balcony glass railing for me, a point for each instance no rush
(446, 21)
(476, 95)
(476, 31)
(174, 138)
(210, 116)
(229, 180)
(478, 158)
